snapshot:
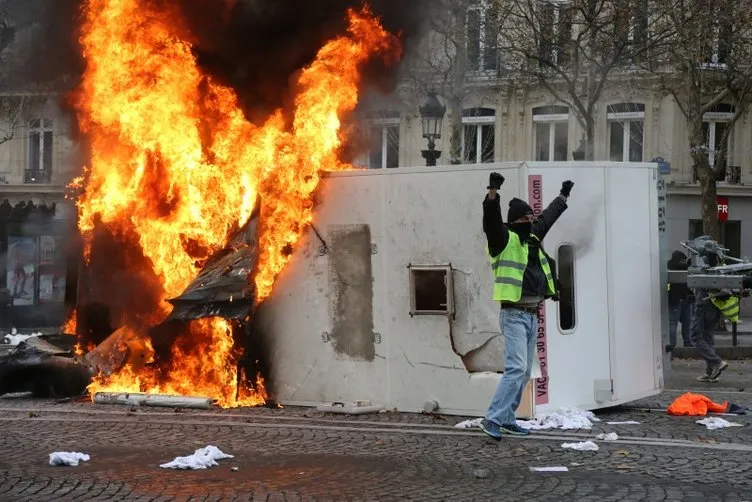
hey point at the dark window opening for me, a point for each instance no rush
(479, 112)
(473, 39)
(431, 290)
(565, 269)
(550, 110)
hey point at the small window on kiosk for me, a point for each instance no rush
(567, 297)
(431, 291)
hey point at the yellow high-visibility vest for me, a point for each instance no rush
(729, 307)
(509, 269)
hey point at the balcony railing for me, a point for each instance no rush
(37, 176)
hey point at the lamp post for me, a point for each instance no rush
(432, 113)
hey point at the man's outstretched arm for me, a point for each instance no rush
(496, 231)
(556, 208)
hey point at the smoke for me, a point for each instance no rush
(257, 46)
(41, 40)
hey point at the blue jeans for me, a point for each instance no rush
(680, 313)
(519, 330)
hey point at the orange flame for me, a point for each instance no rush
(175, 160)
(69, 328)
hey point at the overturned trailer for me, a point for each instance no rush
(389, 298)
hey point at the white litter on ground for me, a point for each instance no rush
(469, 424)
(68, 458)
(14, 339)
(611, 436)
(565, 419)
(556, 468)
(713, 423)
(202, 458)
(628, 422)
(582, 446)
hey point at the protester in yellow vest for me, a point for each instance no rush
(708, 309)
(729, 306)
(523, 277)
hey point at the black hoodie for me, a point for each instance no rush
(497, 233)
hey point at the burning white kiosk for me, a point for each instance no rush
(389, 299)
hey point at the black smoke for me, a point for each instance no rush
(257, 46)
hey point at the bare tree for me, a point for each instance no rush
(11, 115)
(459, 49)
(11, 108)
(572, 49)
(706, 65)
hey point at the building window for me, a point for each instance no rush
(39, 169)
(555, 21)
(567, 304)
(631, 28)
(482, 36)
(551, 133)
(478, 135)
(715, 124)
(626, 124)
(384, 139)
(720, 28)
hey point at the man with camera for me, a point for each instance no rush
(524, 276)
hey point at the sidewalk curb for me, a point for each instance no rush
(728, 353)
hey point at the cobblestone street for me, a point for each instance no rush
(299, 454)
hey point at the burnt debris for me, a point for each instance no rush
(41, 366)
(224, 287)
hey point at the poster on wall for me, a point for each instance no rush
(51, 271)
(47, 250)
(21, 268)
(51, 287)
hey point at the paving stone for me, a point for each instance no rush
(294, 454)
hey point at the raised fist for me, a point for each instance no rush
(566, 188)
(495, 181)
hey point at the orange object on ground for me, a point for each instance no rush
(695, 405)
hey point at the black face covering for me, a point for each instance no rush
(522, 230)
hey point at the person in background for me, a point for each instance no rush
(679, 303)
(709, 308)
(524, 276)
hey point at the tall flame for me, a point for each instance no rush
(175, 162)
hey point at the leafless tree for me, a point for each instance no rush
(573, 49)
(11, 115)
(706, 65)
(11, 108)
(460, 49)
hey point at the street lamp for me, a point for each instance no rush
(432, 113)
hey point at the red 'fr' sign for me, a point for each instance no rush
(723, 208)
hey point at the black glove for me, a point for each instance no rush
(495, 181)
(566, 188)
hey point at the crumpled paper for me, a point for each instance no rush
(202, 458)
(14, 339)
(469, 424)
(565, 419)
(610, 436)
(713, 423)
(582, 446)
(71, 458)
